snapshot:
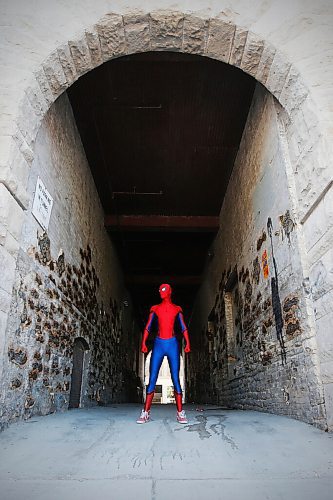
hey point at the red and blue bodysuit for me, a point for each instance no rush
(165, 344)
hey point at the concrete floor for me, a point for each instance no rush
(221, 454)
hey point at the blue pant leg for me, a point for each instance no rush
(173, 356)
(156, 359)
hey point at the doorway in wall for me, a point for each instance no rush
(80, 346)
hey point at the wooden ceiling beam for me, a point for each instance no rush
(191, 223)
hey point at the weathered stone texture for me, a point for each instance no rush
(64, 288)
(111, 35)
(318, 228)
(271, 362)
(195, 34)
(81, 55)
(28, 125)
(252, 54)
(166, 29)
(55, 75)
(11, 219)
(24, 102)
(321, 274)
(220, 38)
(24, 148)
(44, 86)
(15, 175)
(267, 57)
(137, 32)
(7, 269)
(67, 63)
(313, 175)
(4, 301)
(278, 74)
(238, 46)
(294, 92)
(325, 347)
(59, 26)
(37, 99)
(94, 47)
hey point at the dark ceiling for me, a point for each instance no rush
(161, 132)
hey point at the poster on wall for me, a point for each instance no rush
(264, 261)
(42, 205)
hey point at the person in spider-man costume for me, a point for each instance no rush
(166, 313)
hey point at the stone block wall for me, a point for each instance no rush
(68, 284)
(319, 249)
(311, 173)
(45, 49)
(254, 339)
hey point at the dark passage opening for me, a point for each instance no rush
(79, 348)
(161, 132)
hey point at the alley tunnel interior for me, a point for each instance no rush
(164, 167)
(161, 132)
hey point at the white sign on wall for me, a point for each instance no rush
(42, 205)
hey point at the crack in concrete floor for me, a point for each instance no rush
(219, 454)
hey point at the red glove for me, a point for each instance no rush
(187, 340)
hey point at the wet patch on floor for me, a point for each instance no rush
(206, 429)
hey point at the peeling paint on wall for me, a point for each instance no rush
(53, 313)
(267, 365)
(68, 284)
(288, 225)
(291, 314)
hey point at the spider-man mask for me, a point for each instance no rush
(165, 291)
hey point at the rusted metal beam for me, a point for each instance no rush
(152, 279)
(193, 223)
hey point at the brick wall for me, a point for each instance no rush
(46, 49)
(68, 284)
(261, 352)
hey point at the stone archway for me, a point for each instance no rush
(115, 35)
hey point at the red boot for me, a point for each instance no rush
(149, 400)
(181, 417)
(179, 401)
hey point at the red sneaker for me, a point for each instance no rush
(181, 417)
(144, 417)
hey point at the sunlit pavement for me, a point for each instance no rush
(220, 454)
